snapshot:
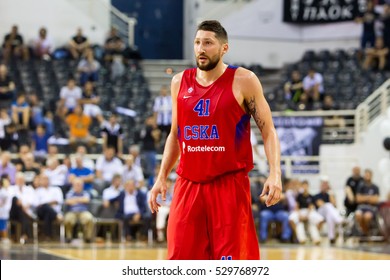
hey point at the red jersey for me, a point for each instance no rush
(213, 130)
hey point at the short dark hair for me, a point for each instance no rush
(216, 27)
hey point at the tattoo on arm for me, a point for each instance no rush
(251, 109)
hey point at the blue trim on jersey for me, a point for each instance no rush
(233, 67)
(241, 127)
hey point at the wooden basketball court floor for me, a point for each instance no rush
(143, 251)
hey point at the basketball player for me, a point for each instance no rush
(211, 216)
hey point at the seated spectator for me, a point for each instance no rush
(90, 102)
(7, 88)
(113, 190)
(133, 172)
(163, 210)
(78, 44)
(5, 120)
(23, 151)
(107, 165)
(21, 116)
(5, 206)
(11, 141)
(7, 167)
(377, 56)
(113, 46)
(70, 95)
(306, 212)
(30, 168)
(57, 173)
(313, 85)
(88, 67)
(325, 203)
(351, 187)
(43, 45)
(13, 45)
(275, 213)
(79, 125)
(83, 173)
(367, 199)
(385, 20)
(293, 88)
(49, 201)
(162, 112)
(112, 134)
(77, 202)
(87, 162)
(132, 206)
(39, 143)
(23, 203)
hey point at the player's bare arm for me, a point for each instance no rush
(253, 101)
(171, 151)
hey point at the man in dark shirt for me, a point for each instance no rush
(78, 44)
(367, 198)
(367, 19)
(7, 88)
(351, 189)
(13, 45)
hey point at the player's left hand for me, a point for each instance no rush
(273, 188)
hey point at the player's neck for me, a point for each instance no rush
(206, 78)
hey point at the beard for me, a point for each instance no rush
(210, 65)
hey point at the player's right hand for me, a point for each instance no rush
(160, 187)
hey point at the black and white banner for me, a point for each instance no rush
(322, 11)
(299, 136)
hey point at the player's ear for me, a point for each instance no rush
(225, 48)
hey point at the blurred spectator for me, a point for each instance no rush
(79, 125)
(313, 85)
(70, 95)
(385, 19)
(162, 109)
(114, 45)
(36, 106)
(83, 173)
(7, 88)
(87, 162)
(39, 144)
(59, 124)
(306, 213)
(57, 173)
(78, 44)
(21, 113)
(5, 207)
(150, 137)
(293, 88)
(135, 151)
(367, 19)
(326, 206)
(43, 45)
(29, 169)
(13, 45)
(132, 206)
(7, 167)
(112, 134)
(351, 187)
(90, 102)
(5, 120)
(107, 165)
(376, 57)
(77, 202)
(133, 172)
(113, 190)
(11, 140)
(23, 151)
(88, 67)
(49, 200)
(23, 203)
(367, 199)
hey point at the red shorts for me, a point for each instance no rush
(213, 220)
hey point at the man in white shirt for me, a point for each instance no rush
(49, 200)
(57, 174)
(162, 109)
(107, 165)
(313, 85)
(23, 203)
(70, 94)
(133, 172)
